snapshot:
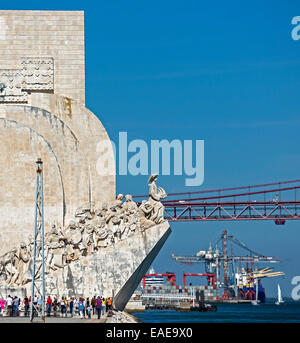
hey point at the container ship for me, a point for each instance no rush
(228, 277)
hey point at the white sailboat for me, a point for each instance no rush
(279, 297)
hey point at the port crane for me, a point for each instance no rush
(217, 261)
(266, 272)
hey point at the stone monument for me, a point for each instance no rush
(96, 243)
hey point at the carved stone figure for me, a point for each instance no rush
(134, 223)
(55, 249)
(24, 259)
(116, 230)
(102, 213)
(101, 233)
(119, 208)
(113, 218)
(88, 239)
(120, 197)
(145, 211)
(86, 211)
(130, 225)
(129, 205)
(9, 266)
(110, 238)
(124, 226)
(73, 236)
(155, 195)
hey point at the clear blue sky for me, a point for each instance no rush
(226, 72)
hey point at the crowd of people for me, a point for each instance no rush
(74, 306)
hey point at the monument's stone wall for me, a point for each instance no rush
(42, 114)
(46, 34)
(95, 243)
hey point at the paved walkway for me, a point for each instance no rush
(75, 319)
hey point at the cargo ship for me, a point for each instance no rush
(247, 288)
(229, 278)
(237, 276)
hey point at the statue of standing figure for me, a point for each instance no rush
(73, 235)
(88, 240)
(55, 249)
(23, 267)
(9, 266)
(155, 195)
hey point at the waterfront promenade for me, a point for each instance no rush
(118, 317)
(56, 320)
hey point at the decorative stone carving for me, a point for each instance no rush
(101, 234)
(88, 233)
(55, 246)
(36, 74)
(145, 212)
(9, 266)
(23, 267)
(88, 239)
(11, 90)
(155, 195)
(130, 206)
(103, 211)
(73, 236)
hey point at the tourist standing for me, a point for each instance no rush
(19, 307)
(71, 306)
(84, 306)
(108, 304)
(103, 306)
(76, 306)
(26, 307)
(66, 306)
(16, 306)
(55, 304)
(89, 310)
(2, 306)
(62, 306)
(93, 303)
(49, 306)
(81, 307)
(98, 306)
(35, 306)
(87, 305)
(9, 302)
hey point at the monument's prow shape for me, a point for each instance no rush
(97, 245)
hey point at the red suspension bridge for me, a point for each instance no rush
(273, 201)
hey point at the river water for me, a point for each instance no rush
(289, 312)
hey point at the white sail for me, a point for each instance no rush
(279, 297)
(279, 294)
